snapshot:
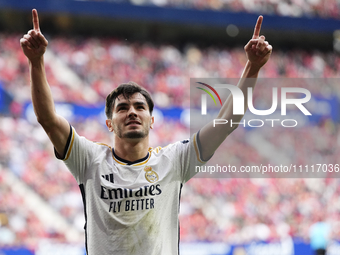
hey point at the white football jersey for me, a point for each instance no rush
(131, 207)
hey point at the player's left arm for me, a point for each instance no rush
(258, 52)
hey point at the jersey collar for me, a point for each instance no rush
(138, 162)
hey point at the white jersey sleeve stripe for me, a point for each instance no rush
(70, 146)
(197, 150)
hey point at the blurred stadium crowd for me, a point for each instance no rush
(228, 210)
(294, 8)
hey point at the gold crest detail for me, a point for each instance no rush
(150, 175)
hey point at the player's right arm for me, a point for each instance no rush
(34, 45)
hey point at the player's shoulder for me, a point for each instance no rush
(99, 148)
(185, 141)
(170, 147)
(95, 145)
(102, 145)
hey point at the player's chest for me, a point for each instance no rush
(111, 174)
(125, 188)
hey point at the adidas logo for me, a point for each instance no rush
(109, 177)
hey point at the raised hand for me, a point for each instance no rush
(34, 43)
(257, 49)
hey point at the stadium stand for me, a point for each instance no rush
(259, 209)
(231, 211)
(295, 8)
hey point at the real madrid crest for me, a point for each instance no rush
(150, 175)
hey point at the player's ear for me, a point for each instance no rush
(152, 121)
(109, 125)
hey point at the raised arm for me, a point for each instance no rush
(258, 52)
(34, 45)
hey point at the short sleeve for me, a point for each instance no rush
(77, 156)
(189, 155)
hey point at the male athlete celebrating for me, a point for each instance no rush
(131, 192)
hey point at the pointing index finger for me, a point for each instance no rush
(35, 20)
(258, 27)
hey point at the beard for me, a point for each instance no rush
(132, 134)
(135, 134)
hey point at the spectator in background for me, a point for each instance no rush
(319, 234)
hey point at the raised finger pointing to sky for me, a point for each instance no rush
(257, 27)
(35, 20)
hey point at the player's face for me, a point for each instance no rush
(131, 117)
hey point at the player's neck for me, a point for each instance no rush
(130, 149)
